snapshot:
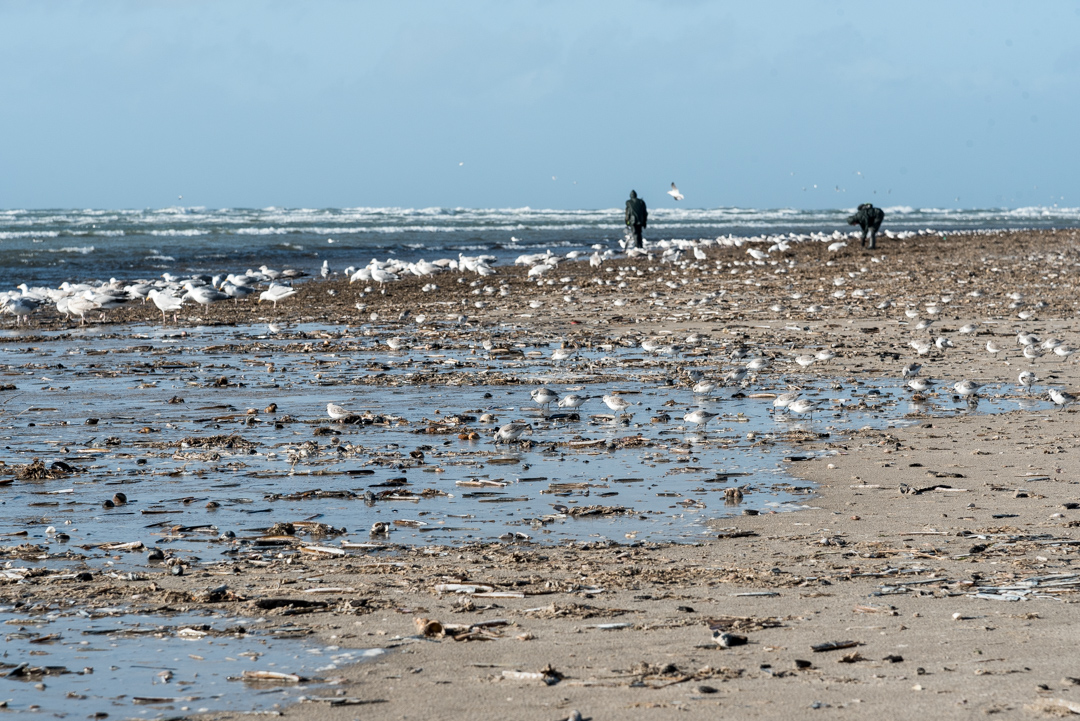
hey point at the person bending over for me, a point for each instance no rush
(869, 219)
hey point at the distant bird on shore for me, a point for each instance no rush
(782, 401)
(1027, 378)
(699, 417)
(512, 431)
(166, 303)
(275, 293)
(802, 405)
(1061, 398)
(920, 385)
(616, 403)
(674, 192)
(572, 401)
(544, 397)
(967, 388)
(336, 412)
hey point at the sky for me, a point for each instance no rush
(546, 104)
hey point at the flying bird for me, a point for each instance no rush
(674, 192)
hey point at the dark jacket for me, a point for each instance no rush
(867, 216)
(636, 213)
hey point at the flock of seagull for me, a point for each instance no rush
(168, 294)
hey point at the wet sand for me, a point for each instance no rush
(909, 523)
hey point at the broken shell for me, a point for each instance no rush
(429, 627)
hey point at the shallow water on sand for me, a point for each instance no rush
(663, 487)
(124, 664)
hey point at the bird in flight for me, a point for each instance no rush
(674, 192)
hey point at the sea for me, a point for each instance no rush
(48, 247)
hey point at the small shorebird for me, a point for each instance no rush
(1031, 353)
(512, 431)
(922, 347)
(704, 388)
(782, 401)
(736, 376)
(1027, 378)
(1064, 351)
(616, 403)
(758, 364)
(801, 406)
(805, 361)
(395, 343)
(572, 401)
(561, 354)
(993, 349)
(825, 355)
(911, 370)
(1061, 398)
(969, 328)
(920, 385)
(544, 397)
(336, 412)
(966, 388)
(699, 417)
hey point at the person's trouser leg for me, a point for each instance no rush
(873, 239)
(637, 236)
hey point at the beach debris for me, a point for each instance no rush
(833, 646)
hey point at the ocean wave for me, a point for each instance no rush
(188, 232)
(83, 250)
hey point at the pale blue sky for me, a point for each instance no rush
(315, 104)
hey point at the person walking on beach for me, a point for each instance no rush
(869, 219)
(637, 216)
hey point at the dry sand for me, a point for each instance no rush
(619, 632)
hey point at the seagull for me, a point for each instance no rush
(512, 431)
(204, 295)
(616, 403)
(1061, 398)
(674, 192)
(275, 293)
(1027, 378)
(336, 412)
(166, 303)
(699, 417)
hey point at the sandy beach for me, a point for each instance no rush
(931, 574)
